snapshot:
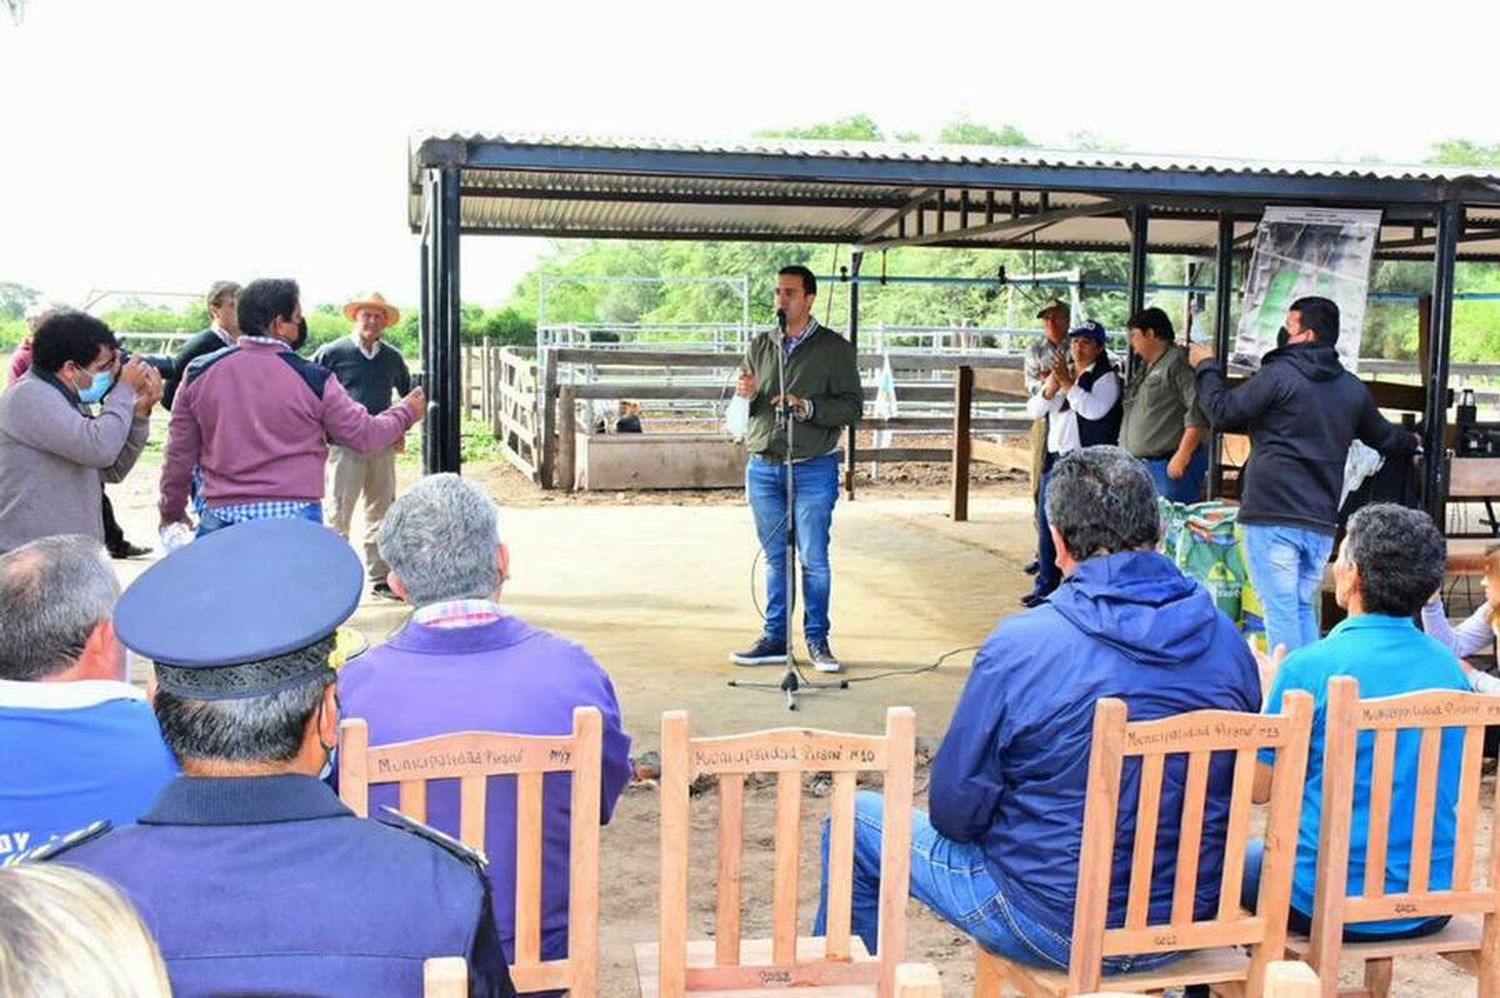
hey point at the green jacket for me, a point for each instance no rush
(821, 369)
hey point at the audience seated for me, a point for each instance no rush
(463, 664)
(1478, 632)
(252, 875)
(1391, 560)
(66, 932)
(999, 855)
(91, 746)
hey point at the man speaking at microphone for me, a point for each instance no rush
(821, 397)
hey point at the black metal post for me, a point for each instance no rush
(424, 330)
(1223, 300)
(1140, 215)
(1434, 443)
(446, 395)
(855, 260)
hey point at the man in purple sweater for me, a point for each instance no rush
(462, 664)
(257, 418)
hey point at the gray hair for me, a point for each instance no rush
(37, 313)
(1101, 501)
(440, 537)
(266, 728)
(53, 593)
(1401, 557)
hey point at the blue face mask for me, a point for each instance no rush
(94, 392)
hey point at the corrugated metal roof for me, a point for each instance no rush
(988, 155)
(871, 194)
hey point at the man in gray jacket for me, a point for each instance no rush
(53, 450)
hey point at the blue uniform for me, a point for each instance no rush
(270, 884)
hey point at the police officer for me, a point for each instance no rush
(249, 871)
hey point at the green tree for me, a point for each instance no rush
(964, 132)
(856, 127)
(1465, 152)
(16, 298)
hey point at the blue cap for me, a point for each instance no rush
(1090, 329)
(241, 596)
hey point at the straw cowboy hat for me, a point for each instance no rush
(373, 300)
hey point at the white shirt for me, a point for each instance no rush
(221, 334)
(1062, 424)
(370, 353)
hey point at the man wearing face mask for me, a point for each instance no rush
(53, 450)
(1302, 410)
(257, 418)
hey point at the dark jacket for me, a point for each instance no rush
(1012, 771)
(1106, 429)
(1302, 411)
(822, 368)
(270, 884)
(198, 345)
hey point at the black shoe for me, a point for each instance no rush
(766, 651)
(1035, 598)
(384, 591)
(822, 657)
(125, 549)
(1032, 567)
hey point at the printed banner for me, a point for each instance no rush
(1306, 251)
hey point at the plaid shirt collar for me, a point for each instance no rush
(458, 613)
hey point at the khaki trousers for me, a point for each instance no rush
(374, 474)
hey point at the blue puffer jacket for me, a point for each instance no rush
(1013, 768)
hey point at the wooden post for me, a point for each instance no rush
(963, 396)
(548, 404)
(486, 397)
(567, 433)
(1424, 338)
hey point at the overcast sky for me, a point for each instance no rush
(161, 145)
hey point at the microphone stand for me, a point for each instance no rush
(792, 681)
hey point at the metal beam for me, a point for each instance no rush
(1029, 223)
(445, 396)
(913, 203)
(1140, 216)
(1123, 181)
(424, 328)
(1434, 478)
(855, 260)
(1223, 300)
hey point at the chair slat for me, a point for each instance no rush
(840, 865)
(1468, 808)
(583, 854)
(1142, 857)
(676, 777)
(1239, 834)
(528, 868)
(1381, 775)
(471, 805)
(731, 855)
(1421, 828)
(413, 799)
(786, 865)
(1190, 839)
(895, 843)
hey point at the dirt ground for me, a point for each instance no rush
(658, 586)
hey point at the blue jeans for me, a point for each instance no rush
(817, 489)
(1286, 568)
(209, 522)
(952, 879)
(1048, 576)
(1188, 488)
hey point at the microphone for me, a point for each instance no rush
(781, 321)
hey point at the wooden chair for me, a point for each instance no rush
(837, 966)
(472, 757)
(1213, 958)
(1471, 942)
(445, 977)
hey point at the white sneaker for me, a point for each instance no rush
(822, 657)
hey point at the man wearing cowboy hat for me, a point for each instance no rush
(369, 370)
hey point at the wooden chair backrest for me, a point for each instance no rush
(789, 753)
(472, 757)
(1198, 735)
(1428, 713)
(445, 977)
